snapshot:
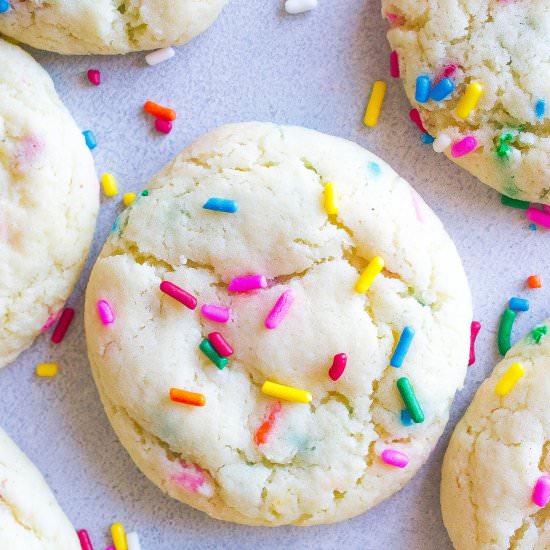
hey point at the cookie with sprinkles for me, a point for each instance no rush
(290, 325)
(475, 75)
(495, 487)
(49, 196)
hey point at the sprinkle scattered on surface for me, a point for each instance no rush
(394, 64)
(260, 437)
(338, 367)
(414, 115)
(468, 102)
(534, 281)
(405, 417)
(280, 309)
(218, 314)
(62, 325)
(163, 126)
(90, 139)
(538, 333)
(376, 265)
(294, 7)
(159, 56)
(540, 108)
(246, 284)
(221, 205)
(422, 92)
(330, 202)
(187, 397)
(505, 331)
(208, 349)
(519, 304)
(133, 541)
(541, 491)
(109, 185)
(286, 393)
(463, 147)
(94, 77)
(442, 90)
(509, 379)
(540, 217)
(4, 6)
(374, 105)
(220, 344)
(402, 348)
(158, 111)
(394, 458)
(182, 296)
(475, 327)
(128, 198)
(105, 312)
(46, 369)
(84, 539)
(514, 203)
(119, 536)
(409, 399)
(441, 143)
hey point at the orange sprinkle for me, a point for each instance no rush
(187, 397)
(534, 281)
(262, 432)
(164, 113)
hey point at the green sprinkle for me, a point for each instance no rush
(503, 150)
(538, 333)
(145, 193)
(505, 331)
(506, 137)
(514, 203)
(208, 350)
(410, 400)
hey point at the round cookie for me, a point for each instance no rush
(502, 46)
(49, 198)
(30, 518)
(106, 27)
(245, 456)
(497, 453)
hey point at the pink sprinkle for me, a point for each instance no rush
(94, 76)
(218, 314)
(163, 126)
(220, 344)
(417, 201)
(449, 70)
(110, 548)
(338, 366)
(395, 19)
(105, 311)
(244, 284)
(182, 296)
(280, 309)
(414, 115)
(52, 319)
(394, 64)
(191, 478)
(395, 458)
(474, 331)
(541, 492)
(463, 147)
(538, 216)
(84, 538)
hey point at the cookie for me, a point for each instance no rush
(48, 202)
(495, 483)
(105, 27)
(476, 73)
(30, 518)
(272, 238)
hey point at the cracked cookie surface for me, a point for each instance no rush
(321, 461)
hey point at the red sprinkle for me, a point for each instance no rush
(474, 331)
(163, 126)
(84, 538)
(220, 344)
(62, 325)
(414, 115)
(182, 296)
(338, 366)
(394, 64)
(266, 426)
(94, 76)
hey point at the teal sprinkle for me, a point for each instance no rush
(144, 193)
(374, 167)
(115, 226)
(532, 227)
(539, 333)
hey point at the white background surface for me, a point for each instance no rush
(257, 63)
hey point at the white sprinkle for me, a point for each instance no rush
(441, 142)
(158, 56)
(132, 540)
(299, 6)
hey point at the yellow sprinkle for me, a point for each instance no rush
(376, 265)
(468, 101)
(46, 369)
(128, 198)
(109, 185)
(331, 199)
(286, 392)
(375, 103)
(509, 379)
(119, 536)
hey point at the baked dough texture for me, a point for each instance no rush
(504, 46)
(496, 454)
(30, 518)
(107, 26)
(321, 461)
(49, 198)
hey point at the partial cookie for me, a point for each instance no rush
(30, 518)
(49, 198)
(495, 486)
(107, 26)
(500, 48)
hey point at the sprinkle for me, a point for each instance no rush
(46, 369)
(449, 70)
(62, 325)
(409, 399)
(221, 205)
(532, 227)
(534, 281)
(540, 108)
(294, 7)
(394, 64)
(159, 56)
(395, 458)
(105, 311)
(260, 437)
(441, 143)
(94, 76)
(509, 379)
(286, 393)
(182, 296)
(442, 90)
(414, 115)
(402, 347)
(84, 538)
(280, 309)
(469, 100)
(163, 126)
(159, 111)
(144, 193)
(519, 304)
(90, 139)
(109, 185)
(338, 366)
(475, 327)
(119, 536)
(110, 548)
(220, 344)
(538, 333)
(463, 147)
(330, 199)
(133, 541)
(187, 397)
(406, 419)
(514, 203)
(505, 331)
(538, 216)
(128, 198)
(193, 478)
(218, 314)
(245, 284)
(208, 349)
(52, 319)
(541, 491)
(376, 265)
(427, 139)
(422, 92)
(375, 103)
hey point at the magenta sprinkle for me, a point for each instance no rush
(245, 284)
(463, 147)
(163, 126)
(220, 344)
(338, 366)
(541, 492)
(106, 313)
(414, 115)
(218, 314)
(182, 296)
(84, 538)
(394, 64)
(280, 309)
(538, 216)
(474, 331)
(395, 458)
(94, 76)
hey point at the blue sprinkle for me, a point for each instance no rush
(422, 93)
(519, 304)
(221, 205)
(540, 108)
(374, 167)
(402, 347)
(4, 6)
(427, 139)
(406, 419)
(115, 226)
(89, 136)
(443, 90)
(532, 227)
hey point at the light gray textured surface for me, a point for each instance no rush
(256, 63)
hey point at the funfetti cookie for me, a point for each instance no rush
(476, 75)
(48, 201)
(495, 486)
(243, 319)
(30, 518)
(107, 27)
